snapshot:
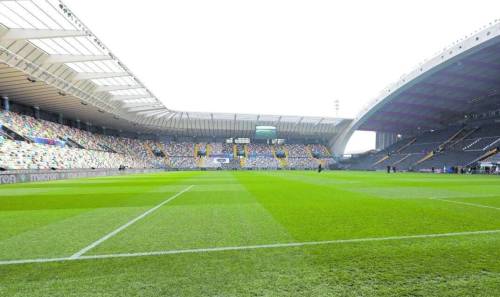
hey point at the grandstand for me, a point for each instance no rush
(442, 115)
(108, 116)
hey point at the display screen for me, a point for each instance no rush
(265, 132)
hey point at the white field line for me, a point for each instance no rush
(249, 247)
(466, 203)
(126, 225)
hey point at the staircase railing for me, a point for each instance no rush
(443, 145)
(427, 157)
(464, 136)
(471, 144)
(401, 160)
(491, 144)
(484, 156)
(381, 160)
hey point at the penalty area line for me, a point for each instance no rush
(466, 203)
(126, 225)
(248, 247)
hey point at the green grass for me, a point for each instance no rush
(231, 209)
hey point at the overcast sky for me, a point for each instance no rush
(278, 57)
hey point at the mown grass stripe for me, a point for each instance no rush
(126, 225)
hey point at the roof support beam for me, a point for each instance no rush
(97, 75)
(161, 114)
(127, 97)
(156, 113)
(136, 104)
(61, 59)
(18, 34)
(139, 110)
(114, 88)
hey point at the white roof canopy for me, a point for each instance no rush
(46, 41)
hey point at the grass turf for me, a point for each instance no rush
(57, 219)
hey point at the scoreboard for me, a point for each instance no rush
(265, 132)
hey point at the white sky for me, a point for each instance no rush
(278, 57)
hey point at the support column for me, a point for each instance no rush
(60, 118)
(385, 139)
(36, 112)
(78, 124)
(6, 103)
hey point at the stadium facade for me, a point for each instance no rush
(61, 87)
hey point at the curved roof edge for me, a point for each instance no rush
(462, 48)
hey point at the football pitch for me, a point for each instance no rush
(252, 233)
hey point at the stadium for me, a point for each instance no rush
(106, 191)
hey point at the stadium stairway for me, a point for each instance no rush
(167, 160)
(381, 160)
(245, 149)
(14, 135)
(243, 160)
(485, 156)
(166, 157)
(309, 151)
(281, 161)
(427, 157)
(73, 143)
(284, 161)
(401, 160)
(493, 144)
(149, 150)
(208, 149)
(457, 144)
(455, 136)
(310, 155)
(406, 145)
(471, 144)
(199, 160)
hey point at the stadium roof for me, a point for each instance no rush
(50, 59)
(462, 79)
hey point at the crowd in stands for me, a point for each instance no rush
(262, 150)
(17, 155)
(320, 150)
(302, 162)
(220, 149)
(261, 162)
(180, 149)
(183, 162)
(298, 151)
(49, 145)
